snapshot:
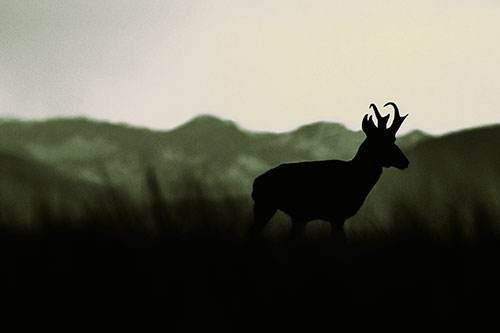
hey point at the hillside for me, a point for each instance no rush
(214, 152)
(454, 177)
(450, 178)
(27, 185)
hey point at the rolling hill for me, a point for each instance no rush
(453, 177)
(451, 185)
(215, 153)
(28, 186)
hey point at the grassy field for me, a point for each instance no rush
(188, 266)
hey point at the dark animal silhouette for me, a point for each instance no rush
(329, 190)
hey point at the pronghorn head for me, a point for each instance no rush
(380, 140)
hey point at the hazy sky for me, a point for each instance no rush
(267, 64)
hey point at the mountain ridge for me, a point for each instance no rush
(206, 148)
(221, 159)
(199, 119)
(211, 150)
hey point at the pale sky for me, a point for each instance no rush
(266, 64)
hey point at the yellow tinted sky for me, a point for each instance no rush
(269, 65)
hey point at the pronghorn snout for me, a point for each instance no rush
(398, 158)
(405, 165)
(402, 163)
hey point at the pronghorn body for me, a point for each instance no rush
(329, 190)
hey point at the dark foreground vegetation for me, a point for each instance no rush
(187, 266)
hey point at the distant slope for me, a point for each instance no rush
(451, 177)
(216, 153)
(454, 177)
(26, 185)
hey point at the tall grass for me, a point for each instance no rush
(187, 265)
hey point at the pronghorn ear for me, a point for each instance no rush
(368, 125)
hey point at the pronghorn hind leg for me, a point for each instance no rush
(298, 229)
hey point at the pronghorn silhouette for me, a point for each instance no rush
(330, 190)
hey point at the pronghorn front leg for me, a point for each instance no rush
(337, 231)
(262, 214)
(298, 229)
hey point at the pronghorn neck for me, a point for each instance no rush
(366, 159)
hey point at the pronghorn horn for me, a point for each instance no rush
(398, 120)
(382, 121)
(368, 125)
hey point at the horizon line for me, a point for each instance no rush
(5, 118)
